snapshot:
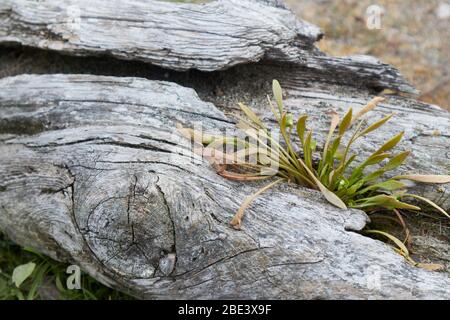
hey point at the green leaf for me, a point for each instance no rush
(354, 188)
(283, 123)
(375, 159)
(274, 111)
(396, 161)
(349, 161)
(388, 185)
(390, 143)
(278, 94)
(334, 147)
(22, 272)
(375, 125)
(384, 201)
(38, 279)
(286, 136)
(398, 243)
(336, 176)
(372, 160)
(307, 154)
(330, 196)
(198, 137)
(333, 125)
(346, 121)
(431, 203)
(313, 145)
(425, 178)
(59, 284)
(251, 115)
(322, 173)
(373, 175)
(289, 120)
(301, 128)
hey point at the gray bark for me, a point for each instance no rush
(94, 173)
(207, 37)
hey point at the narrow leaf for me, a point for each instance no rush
(274, 111)
(425, 178)
(431, 203)
(198, 137)
(389, 185)
(375, 159)
(301, 128)
(330, 196)
(373, 175)
(384, 201)
(431, 266)
(242, 177)
(390, 143)
(346, 121)
(237, 219)
(375, 125)
(307, 154)
(349, 161)
(278, 94)
(396, 161)
(397, 242)
(369, 106)
(354, 188)
(333, 125)
(334, 147)
(251, 115)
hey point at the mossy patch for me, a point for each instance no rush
(21, 126)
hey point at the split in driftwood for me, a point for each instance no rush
(206, 37)
(97, 178)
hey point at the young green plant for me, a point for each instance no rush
(334, 171)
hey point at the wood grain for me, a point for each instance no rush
(99, 177)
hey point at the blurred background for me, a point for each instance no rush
(414, 36)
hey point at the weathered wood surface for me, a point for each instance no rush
(426, 127)
(92, 173)
(206, 37)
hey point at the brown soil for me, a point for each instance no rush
(414, 37)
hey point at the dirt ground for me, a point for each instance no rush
(414, 37)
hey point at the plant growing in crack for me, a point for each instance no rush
(334, 171)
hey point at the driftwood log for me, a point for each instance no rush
(206, 37)
(93, 171)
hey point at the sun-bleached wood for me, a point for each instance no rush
(207, 37)
(93, 172)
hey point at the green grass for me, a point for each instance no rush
(48, 279)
